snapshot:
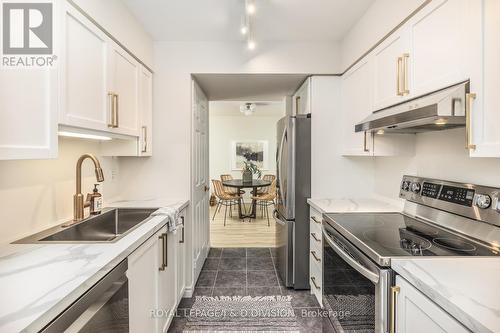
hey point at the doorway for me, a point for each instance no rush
(240, 126)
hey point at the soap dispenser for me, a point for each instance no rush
(95, 201)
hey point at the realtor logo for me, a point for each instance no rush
(27, 38)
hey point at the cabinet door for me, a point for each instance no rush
(124, 82)
(146, 112)
(181, 259)
(28, 116)
(84, 83)
(167, 284)
(356, 105)
(416, 313)
(485, 80)
(439, 51)
(390, 70)
(143, 275)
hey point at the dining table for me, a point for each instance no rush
(254, 185)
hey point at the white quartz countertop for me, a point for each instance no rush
(356, 205)
(39, 281)
(467, 288)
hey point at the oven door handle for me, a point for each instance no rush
(373, 277)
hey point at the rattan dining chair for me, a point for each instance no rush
(267, 199)
(232, 190)
(224, 199)
(269, 178)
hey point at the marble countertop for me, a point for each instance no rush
(39, 281)
(467, 288)
(357, 205)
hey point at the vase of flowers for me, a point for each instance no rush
(249, 169)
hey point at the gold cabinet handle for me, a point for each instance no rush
(468, 129)
(114, 110)
(315, 237)
(365, 143)
(117, 110)
(399, 64)
(182, 235)
(313, 280)
(406, 89)
(163, 238)
(144, 139)
(315, 256)
(394, 293)
(315, 219)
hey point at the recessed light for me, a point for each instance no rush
(251, 45)
(244, 30)
(84, 136)
(441, 122)
(380, 132)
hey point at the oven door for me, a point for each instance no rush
(355, 289)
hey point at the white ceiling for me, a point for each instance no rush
(249, 87)
(232, 108)
(275, 20)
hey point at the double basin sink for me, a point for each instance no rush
(107, 227)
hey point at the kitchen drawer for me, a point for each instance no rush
(316, 275)
(316, 243)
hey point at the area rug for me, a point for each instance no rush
(242, 314)
(352, 312)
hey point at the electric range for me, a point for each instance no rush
(440, 218)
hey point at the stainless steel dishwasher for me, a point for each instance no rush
(103, 308)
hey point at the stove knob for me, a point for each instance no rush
(483, 201)
(415, 187)
(406, 185)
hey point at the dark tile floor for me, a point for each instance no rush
(250, 271)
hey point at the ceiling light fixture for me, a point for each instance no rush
(244, 30)
(247, 109)
(250, 7)
(251, 44)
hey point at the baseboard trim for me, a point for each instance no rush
(188, 291)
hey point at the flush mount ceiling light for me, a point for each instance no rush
(250, 7)
(247, 109)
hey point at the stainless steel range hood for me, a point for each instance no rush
(440, 110)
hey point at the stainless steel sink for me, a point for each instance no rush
(107, 227)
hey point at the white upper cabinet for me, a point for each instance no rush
(84, 64)
(356, 95)
(146, 112)
(416, 313)
(302, 98)
(28, 114)
(438, 52)
(124, 85)
(390, 70)
(485, 80)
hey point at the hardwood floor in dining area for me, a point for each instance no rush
(237, 233)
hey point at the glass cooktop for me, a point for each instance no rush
(395, 235)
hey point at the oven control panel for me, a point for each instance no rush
(474, 201)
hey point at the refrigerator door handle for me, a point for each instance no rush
(279, 155)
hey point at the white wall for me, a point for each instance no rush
(438, 155)
(167, 173)
(37, 194)
(225, 129)
(116, 18)
(379, 20)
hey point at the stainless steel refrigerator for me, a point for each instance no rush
(293, 170)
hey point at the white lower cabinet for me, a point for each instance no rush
(144, 278)
(157, 279)
(415, 313)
